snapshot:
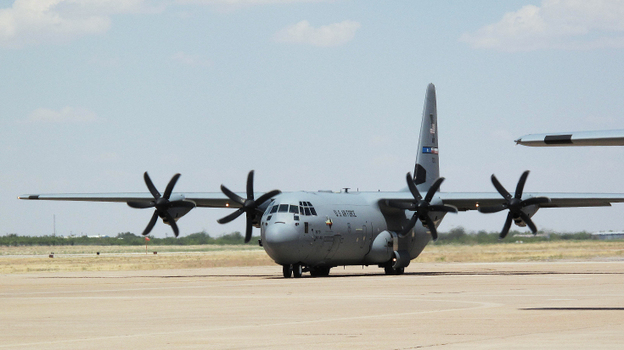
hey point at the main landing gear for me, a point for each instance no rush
(389, 270)
(296, 270)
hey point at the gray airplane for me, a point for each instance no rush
(315, 231)
(579, 138)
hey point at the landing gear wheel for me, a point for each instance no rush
(389, 270)
(287, 270)
(297, 270)
(319, 271)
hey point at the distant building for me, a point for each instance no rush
(609, 235)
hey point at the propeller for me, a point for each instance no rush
(248, 205)
(422, 207)
(515, 204)
(162, 204)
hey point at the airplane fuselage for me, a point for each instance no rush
(333, 229)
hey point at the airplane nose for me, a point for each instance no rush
(282, 243)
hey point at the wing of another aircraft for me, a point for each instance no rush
(579, 138)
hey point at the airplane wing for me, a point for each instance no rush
(472, 201)
(201, 199)
(580, 138)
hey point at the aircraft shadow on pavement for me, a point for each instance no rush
(572, 309)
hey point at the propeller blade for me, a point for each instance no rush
(141, 205)
(432, 228)
(230, 217)
(527, 220)
(412, 187)
(248, 228)
(170, 185)
(265, 197)
(150, 186)
(492, 209)
(500, 188)
(249, 205)
(443, 208)
(521, 182)
(250, 187)
(233, 196)
(433, 189)
(151, 223)
(514, 204)
(535, 201)
(507, 226)
(173, 224)
(410, 226)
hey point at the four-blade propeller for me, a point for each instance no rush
(515, 204)
(422, 207)
(248, 205)
(162, 204)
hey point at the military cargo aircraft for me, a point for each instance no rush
(316, 231)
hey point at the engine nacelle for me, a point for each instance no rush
(178, 209)
(381, 248)
(530, 211)
(401, 259)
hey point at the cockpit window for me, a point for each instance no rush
(306, 208)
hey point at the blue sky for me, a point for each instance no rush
(311, 94)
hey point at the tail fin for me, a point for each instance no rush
(427, 168)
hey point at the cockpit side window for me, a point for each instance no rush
(273, 209)
(294, 209)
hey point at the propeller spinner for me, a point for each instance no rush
(162, 204)
(248, 205)
(515, 204)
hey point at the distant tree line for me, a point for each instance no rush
(459, 235)
(125, 238)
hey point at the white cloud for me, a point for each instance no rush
(330, 35)
(233, 5)
(555, 24)
(190, 60)
(246, 2)
(65, 115)
(30, 22)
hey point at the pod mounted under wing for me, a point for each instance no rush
(579, 138)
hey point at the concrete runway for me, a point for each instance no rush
(552, 305)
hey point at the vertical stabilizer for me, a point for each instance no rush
(427, 168)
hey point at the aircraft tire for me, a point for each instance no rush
(389, 270)
(297, 270)
(319, 271)
(287, 270)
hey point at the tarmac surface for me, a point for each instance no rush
(547, 305)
